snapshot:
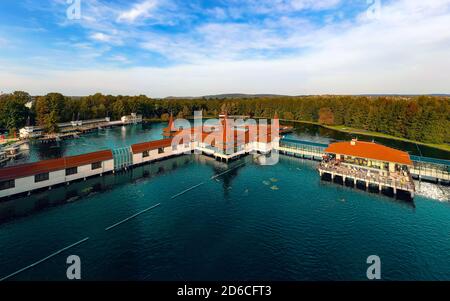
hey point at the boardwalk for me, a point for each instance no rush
(396, 181)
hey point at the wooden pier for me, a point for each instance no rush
(57, 137)
(355, 174)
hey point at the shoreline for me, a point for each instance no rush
(349, 130)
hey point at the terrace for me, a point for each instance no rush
(397, 180)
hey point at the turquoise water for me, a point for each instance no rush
(112, 138)
(253, 223)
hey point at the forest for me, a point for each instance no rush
(420, 118)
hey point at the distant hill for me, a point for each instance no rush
(407, 95)
(243, 95)
(228, 96)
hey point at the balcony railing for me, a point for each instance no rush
(399, 181)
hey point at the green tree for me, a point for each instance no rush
(49, 110)
(13, 113)
(118, 109)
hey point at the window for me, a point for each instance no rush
(7, 184)
(71, 171)
(96, 165)
(145, 154)
(160, 150)
(41, 177)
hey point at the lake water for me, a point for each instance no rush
(252, 223)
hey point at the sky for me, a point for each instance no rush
(202, 47)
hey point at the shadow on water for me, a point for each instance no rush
(64, 194)
(76, 191)
(219, 167)
(387, 195)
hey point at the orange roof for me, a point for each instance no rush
(369, 150)
(31, 169)
(147, 146)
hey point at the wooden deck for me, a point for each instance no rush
(395, 181)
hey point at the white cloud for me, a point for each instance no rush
(271, 6)
(114, 37)
(404, 51)
(235, 41)
(314, 4)
(140, 10)
(119, 59)
(101, 37)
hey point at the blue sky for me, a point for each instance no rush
(180, 47)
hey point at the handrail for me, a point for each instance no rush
(361, 175)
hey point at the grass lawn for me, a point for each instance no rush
(347, 129)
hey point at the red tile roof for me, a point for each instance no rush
(147, 146)
(87, 159)
(31, 169)
(370, 150)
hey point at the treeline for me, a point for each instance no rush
(421, 118)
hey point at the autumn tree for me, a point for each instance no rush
(326, 116)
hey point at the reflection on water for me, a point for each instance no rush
(103, 139)
(285, 234)
(63, 194)
(76, 191)
(309, 164)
